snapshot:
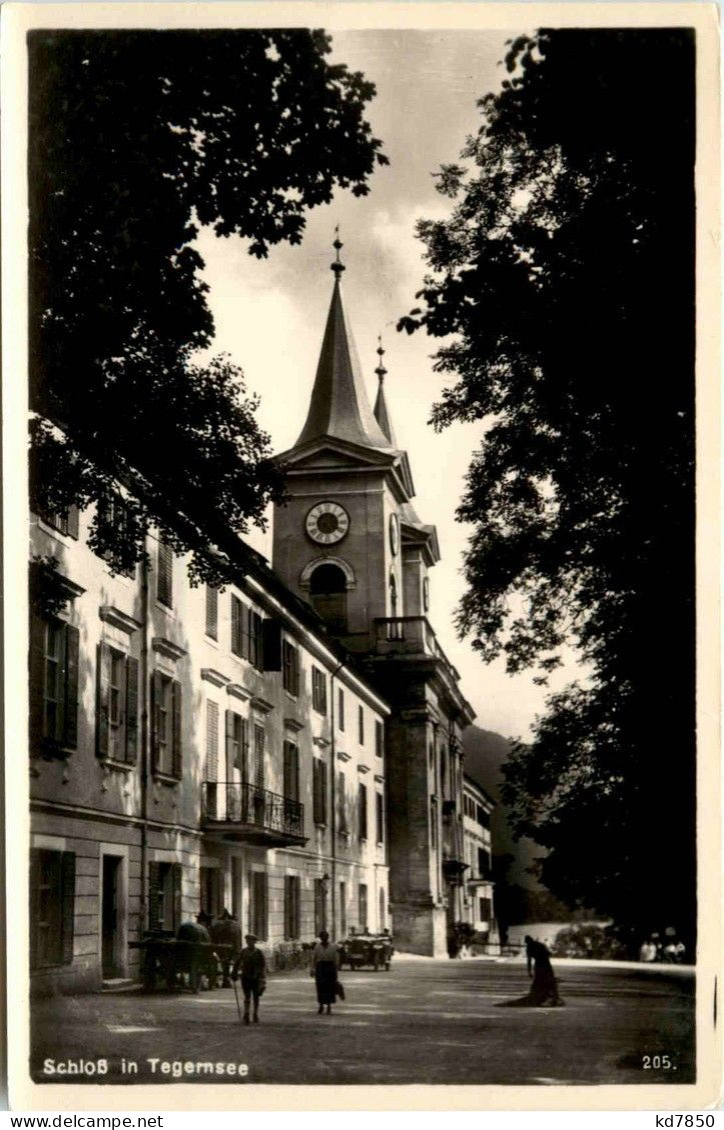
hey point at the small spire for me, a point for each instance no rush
(338, 265)
(381, 371)
(382, 416)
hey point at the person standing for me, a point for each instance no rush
(325, 963)
(227, 932)
(251, 964)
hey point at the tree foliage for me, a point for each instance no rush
(565, 276)
(136, 139)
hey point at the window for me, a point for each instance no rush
(383, 908)
(319, 791)
(292, 927)
(433, 823)
(379, 739)
(259, 740)
(319, 690)
(291, 771)
(290, 667)
(362, 909)
(52, 906)
(114, 531)
(212, 612)
(64, 521)
(164, 582)
(483, 863)
(117, 723)
(237, 746)
(53, 685)
(166, 725)
(380, 814)
(483, 910)
(343, 909)
(361, 725)
(256, 640)
(164, 896)
(483, 818)
(362, 806)
(342, 803)
(258, 904)
(320, 906)
(328, 596)
(340, 709)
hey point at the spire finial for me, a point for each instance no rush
(380, 370)
(338, 265)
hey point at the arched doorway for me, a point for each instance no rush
(328, 596)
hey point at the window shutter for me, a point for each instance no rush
(295, 771)
(177, 875)
(244, 751)
(131, 710)
(271, 645)
(212, 741)
(67, 904)
(70, 724)
(154, 886)
(212, 612)
(73, 521)
(245, 622)
(36, 672)
(34, 907)
(231, 754)
(102, 724)
(176, 708)
(287, 769)
(155, 708)
(236, 645)
(164, 591)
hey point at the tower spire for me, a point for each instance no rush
(339, 407)
(337, 266)
(382, 416)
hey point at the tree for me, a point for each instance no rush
(565, 275)
(137, 138)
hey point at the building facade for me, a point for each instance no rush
(478, 909)
(191, 749)
(350, 542)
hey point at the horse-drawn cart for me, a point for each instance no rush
(180, 963)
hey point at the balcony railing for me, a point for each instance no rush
(408, 635)
(250, 814)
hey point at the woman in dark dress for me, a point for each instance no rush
(325, 963)
(545, 987)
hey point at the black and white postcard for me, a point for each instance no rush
(361, 431)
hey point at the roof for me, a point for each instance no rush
(382, 415)
(339, 406)
(468, 780)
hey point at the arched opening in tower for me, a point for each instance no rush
(328, 594)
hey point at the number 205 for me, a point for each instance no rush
(657, 1063)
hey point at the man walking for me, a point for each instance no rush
(252, 966)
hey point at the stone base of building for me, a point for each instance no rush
(420, 928)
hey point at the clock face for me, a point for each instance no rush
(327, 523)
(394, 534)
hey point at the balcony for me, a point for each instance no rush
(409, 635)
(248, 814)
(453, 871)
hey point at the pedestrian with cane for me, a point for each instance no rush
(251, 965)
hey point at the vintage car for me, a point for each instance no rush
(366, 949)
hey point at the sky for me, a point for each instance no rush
(269, 315)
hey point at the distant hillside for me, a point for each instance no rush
(485, 752)
(519, 897)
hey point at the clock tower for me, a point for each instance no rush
(348, 541)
